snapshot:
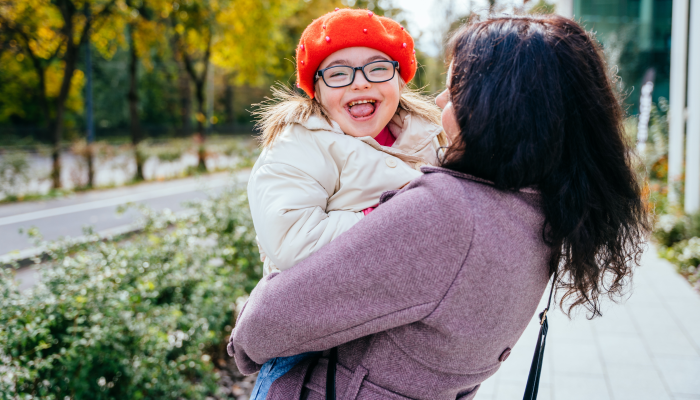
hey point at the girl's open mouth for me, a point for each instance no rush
(362, 109)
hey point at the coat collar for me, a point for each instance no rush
(316, 123)
(412, 133)
(462, 175)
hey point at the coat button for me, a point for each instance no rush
(420, 164)
(504, 355)
(391, 162)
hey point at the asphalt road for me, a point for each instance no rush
(67, 216)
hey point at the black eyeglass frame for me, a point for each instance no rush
(319, 73)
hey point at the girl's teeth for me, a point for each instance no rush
(360, 102)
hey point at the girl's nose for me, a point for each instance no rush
(360, 82)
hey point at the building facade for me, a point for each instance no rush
(656, 40)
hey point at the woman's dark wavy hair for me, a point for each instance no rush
(536, 108)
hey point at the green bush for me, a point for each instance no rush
(685, 255)
(671, 229)
(146, 317)
(14, 173)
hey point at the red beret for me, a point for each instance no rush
(345, 28)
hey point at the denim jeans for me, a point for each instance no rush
(273, 369)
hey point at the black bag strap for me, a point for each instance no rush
(533, 379)
(330, 374)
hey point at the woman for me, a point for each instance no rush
(425, 297)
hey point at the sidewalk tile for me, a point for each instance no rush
(687, 315)
(615, 321)
(636, 383)
(488, 388)
(512, 390)
(578, 330)
(682, 374)
(670, 343)
(624, 350)
(574, 358)
(579, 387)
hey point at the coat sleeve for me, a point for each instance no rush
(391, 269)
(289, 213)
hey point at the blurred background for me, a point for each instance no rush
(125, 144)
(83, 84)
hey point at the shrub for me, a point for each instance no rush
(146, 317)
(670, 229)
(686, 257)
(14, 174)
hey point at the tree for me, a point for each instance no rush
(144, 28)
(51, 34)
(193, 26)
(237, 35)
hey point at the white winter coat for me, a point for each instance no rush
(313, 182)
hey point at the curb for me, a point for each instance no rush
(36, 255)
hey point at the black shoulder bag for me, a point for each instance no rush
(533, 379)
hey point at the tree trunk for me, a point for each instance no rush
(228, 104)
(199, 82)
(183, 83)
(133, 97)
(43, 103)
(201, 118)
(70, 61)
(43, 100)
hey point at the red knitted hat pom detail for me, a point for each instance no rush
(351, 28)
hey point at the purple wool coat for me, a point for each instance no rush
(425, 296)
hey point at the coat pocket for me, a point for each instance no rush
(357, 387)
(350, 385)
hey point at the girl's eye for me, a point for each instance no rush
(378, 69)
(338, 74)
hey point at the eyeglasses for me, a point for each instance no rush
(342, 75)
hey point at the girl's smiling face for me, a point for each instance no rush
(377, 101)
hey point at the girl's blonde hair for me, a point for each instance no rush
(287, 106)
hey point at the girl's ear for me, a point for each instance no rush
(317, 93)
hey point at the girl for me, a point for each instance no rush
(328, 158)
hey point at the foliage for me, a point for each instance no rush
(14, 173)
(676, 233)
(655, 156)
(686, 256)
(142, 318)
(43, 37)
(678, 237)
(19, 180)
(252, 46)
(20, 96)
(169, 152)
(543, 7)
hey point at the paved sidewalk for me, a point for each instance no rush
(648, 347)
